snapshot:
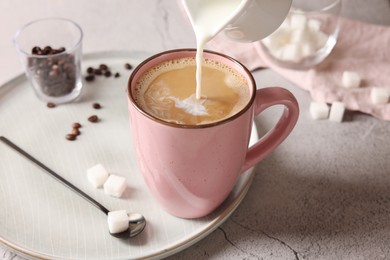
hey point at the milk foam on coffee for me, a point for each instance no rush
(191, 105)
(167, 92)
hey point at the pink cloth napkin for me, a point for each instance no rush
(361, 47)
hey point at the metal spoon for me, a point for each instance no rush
(137, 222)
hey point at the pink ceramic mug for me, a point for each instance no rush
(191, 169)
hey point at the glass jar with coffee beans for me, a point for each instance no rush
(50, 51)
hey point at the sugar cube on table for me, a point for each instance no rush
(336, 111)
(97, 175)
(350, 79)
(379, 95)
(319, 110)
(115, 185)
(118, 221)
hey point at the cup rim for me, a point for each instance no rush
(18, 32)
(323, 9)
(187, 126)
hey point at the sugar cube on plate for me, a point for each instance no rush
(336, 112)
(97, 175)
(115, 185)
(379, 95)
(118, 221)
(319, 110)
(350, 79)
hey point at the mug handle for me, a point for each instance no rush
(265, 98)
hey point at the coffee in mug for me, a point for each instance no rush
(167, 91)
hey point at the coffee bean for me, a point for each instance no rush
(96, 106)
(47, 50)
(71, 137)
(117, 75)
(107, 73)
(76, 125)
(62, 49)
(35, 50)
(75, 131)
(90, 77)
(90, 70)
(103, 67)
(93, 118)
(128, 66)
(97, 72)
(50, 105)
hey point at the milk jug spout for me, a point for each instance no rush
(240, 20)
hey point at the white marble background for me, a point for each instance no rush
(304, 205)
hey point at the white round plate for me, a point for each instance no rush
(41, 218)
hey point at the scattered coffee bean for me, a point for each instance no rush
(90, 70)
(128, 66)
(103, 67)
(98, 72)
(71, 137)
(90, 77)
(93, 118)
(107, 73)
(50, 105)
(76, 125)
(96, 106)
(75, 131)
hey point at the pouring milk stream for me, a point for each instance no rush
(242, 20)
(208, 18)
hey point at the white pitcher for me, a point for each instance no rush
(241, 20)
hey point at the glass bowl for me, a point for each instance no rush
(306, 37)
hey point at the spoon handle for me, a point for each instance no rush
(54, 174)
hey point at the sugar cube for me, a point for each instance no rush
(350, 79)
(319, 110)
(97, 175)
(115, 185)
(291, 52)
(300, 36)
(277, 53)
(307, 49)
(118, 221)
(379, 95)
(314, 24)
(336, 112)
(298, 21)
(277, 39)
(320, 39)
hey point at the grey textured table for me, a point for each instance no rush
(323, 194)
